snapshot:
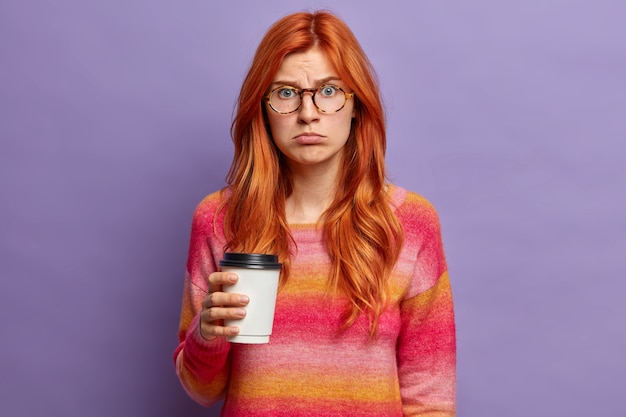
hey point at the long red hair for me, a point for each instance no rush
(362, 234)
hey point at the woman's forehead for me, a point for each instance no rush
(311, 67)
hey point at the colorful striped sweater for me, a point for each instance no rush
(308, 369)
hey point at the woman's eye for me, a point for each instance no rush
(328, 90)
(286, 93)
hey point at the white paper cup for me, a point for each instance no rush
(258, 279)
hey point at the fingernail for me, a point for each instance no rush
(240, 312)
(243, 299)
(234, 330)
(232, 278)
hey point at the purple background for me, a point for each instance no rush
(114, 123)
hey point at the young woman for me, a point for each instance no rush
(364, 322)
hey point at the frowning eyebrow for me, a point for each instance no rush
(317, 82)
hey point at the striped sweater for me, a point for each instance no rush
(308, 368)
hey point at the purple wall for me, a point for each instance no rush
(114, 120)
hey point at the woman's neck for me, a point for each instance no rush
(312, 193)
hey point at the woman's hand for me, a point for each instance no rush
(219, 305)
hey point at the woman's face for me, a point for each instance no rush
(308, 137)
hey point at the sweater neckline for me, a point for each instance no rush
(396, 194)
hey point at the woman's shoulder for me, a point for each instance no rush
(213, 200)
(404, 200)
(205, 212)
(414, 211)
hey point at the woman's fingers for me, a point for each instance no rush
(210, 331)
(218, 305)
(211, 328)
(221, 313)
(224, 299)
(217, 279)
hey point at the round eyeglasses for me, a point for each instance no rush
(327, 98)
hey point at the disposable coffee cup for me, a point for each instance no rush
(258, 279)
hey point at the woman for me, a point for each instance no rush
(364, 321)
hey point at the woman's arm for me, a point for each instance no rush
(427, 342)
(427, 353)
(202, 365)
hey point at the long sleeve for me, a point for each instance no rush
(427, 342)
(202, 366)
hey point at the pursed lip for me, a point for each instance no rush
(309, 138)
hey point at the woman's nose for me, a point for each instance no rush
(308, 111)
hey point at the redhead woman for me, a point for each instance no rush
(364, 322)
